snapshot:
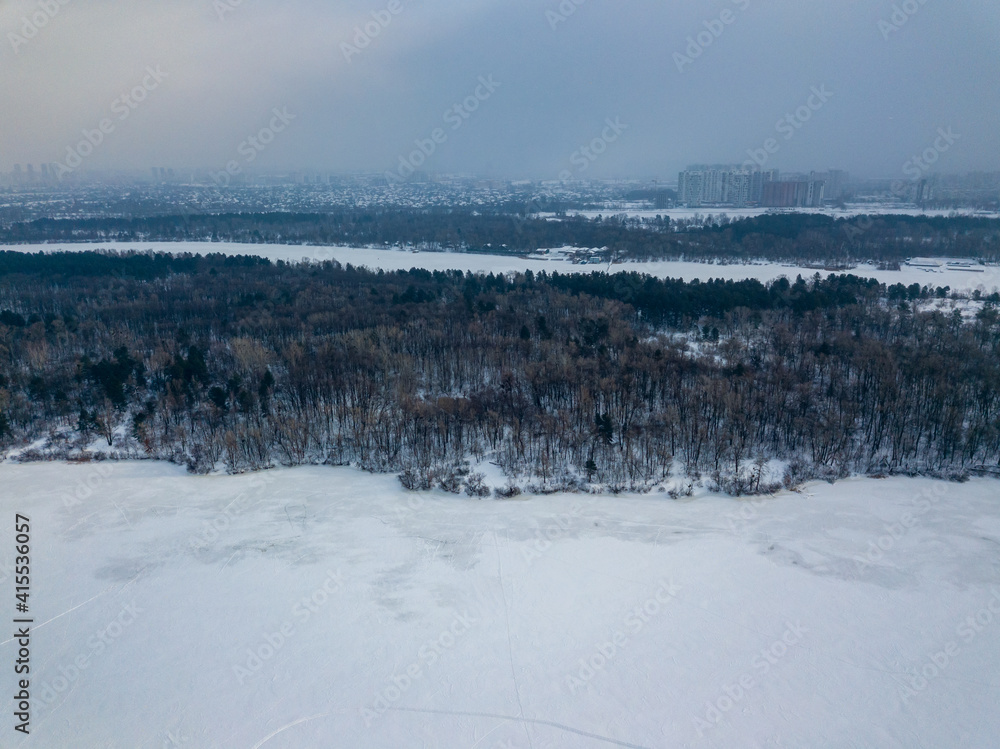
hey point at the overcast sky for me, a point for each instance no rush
(559, 77)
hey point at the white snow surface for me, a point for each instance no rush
(552, 621)
(397, 259)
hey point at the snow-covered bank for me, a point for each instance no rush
(958, 279)
(326, 607)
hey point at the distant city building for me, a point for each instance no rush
(793, 194)
(782, 194)
(835, 181)
(721, 185)
(815, 193)
(736, 188)
(757, 181)
(972, 188)
(689, 187)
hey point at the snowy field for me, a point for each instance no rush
(958, 280)
(325, 607)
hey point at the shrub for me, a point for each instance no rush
(475, 486)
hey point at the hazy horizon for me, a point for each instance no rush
(512, 90)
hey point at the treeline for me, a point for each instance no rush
(809, 237)
(139, 265)
(562, 380)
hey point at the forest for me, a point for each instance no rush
(565, 381)
(516, 230)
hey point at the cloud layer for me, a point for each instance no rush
(369, 80)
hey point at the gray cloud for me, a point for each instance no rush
(558, 85)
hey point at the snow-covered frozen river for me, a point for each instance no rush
(325, 607)
(958, 280)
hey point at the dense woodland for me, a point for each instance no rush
(564, 381)
(800, 237)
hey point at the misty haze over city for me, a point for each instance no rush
(691, 83)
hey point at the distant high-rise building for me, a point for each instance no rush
(781, 194)
(836, 183)
(736, 187)
(722, 185)
(815, 193)
(793, 194)
(834, 180)
(689, 187)
(757, 181)
(974, 188)
(711, 186)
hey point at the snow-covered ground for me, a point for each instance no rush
(325, 607)
(959, 280)
(968, 308)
